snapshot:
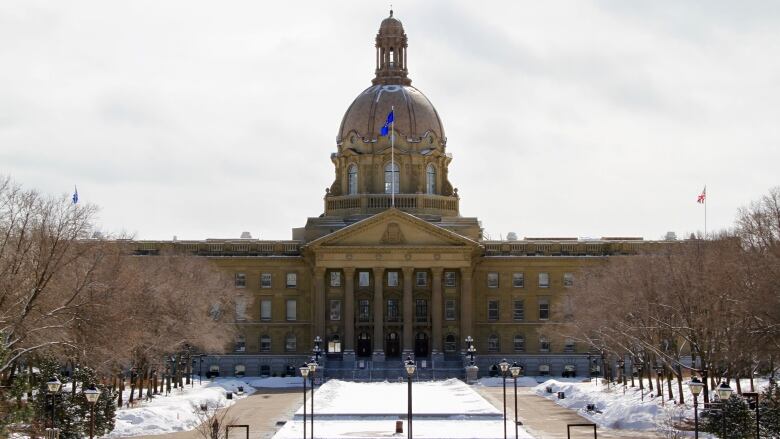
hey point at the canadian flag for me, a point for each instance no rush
(703, 196)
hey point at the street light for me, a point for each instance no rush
(515, 370)
(622, 364)
(410, 368)
(754, 395)
(53, 387)
(696, 387)
(724, 393)
(304, 373)
(312, 373)
(659, 372)
(92, 394)
(470, 349)
(504, 366)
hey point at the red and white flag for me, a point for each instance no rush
(703, 196)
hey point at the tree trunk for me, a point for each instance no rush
(121, 379)
(678, 374)
(739, 386)
(649, 371)
(669, 384)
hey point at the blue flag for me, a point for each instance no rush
(386, 128)
(75, 195)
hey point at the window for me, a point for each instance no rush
(544, 280)
(568, 345)
(334, 345)
(518, 310)
(519, 343)
(335, 310)
(421, 310)
(391, 178)
(392, 310)
(240, 280)
(518, 280)
(265, 343)
(335, 278)
(240, 344)
(265, 280)
(392, 278)
(450, 346)
(544, 308)
(449, 309)
(493, 345)
(568, 279)
(364, 279)
(544, 370)
(265, 309)
(290, 343)
(352, 179)
(292, 280)
(492, 280)
(449, 279)
(422, 278)
(364, 313)
(240, 308)
(239, 370)
(544, 344)
(292, 311)
(430, 179)
(492, 309)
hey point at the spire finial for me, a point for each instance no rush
(391, 10)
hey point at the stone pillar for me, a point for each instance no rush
(349, 312)
(436, 314)
(379, 333)
(319, 302)
(466, 304)
(408, 304)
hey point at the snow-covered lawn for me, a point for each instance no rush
(178, 410)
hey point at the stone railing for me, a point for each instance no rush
(564, 248)
(346, 205)
(218, 247)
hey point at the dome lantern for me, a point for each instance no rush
(391, 53)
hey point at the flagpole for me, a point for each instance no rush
(392, 159)
(705, 211)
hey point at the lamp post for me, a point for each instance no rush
(622, 364)
(659, 382)
(470, 349)
(304, 373)
(696, 386)
(754, 395)
(724, 393)
(410, 368)
(200, 369)
(92, 394)
(312, 373)
(53, 387)
(515, 370)
(504, 367)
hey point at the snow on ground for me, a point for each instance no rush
(178, 410)
(524, 381)
(343, 411)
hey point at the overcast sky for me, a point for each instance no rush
(572, 118)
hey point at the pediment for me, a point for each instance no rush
(393, 228)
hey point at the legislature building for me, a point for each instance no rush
(390, 268)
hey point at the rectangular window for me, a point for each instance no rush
(544, 309)
(335, 310)
(292, 310)
(421, 311)
(568, 279)
(492, 280)
(544, 280)
(518, 310)
(292, 280)
(364, 311)
(392, 310)
(290, 343)
(544, 345)
(265, 309)
(422, 278)
(449, 309)
(568, 346)
(335, 278)
(265, 344)
(364, 279)
(493, 343)
(392, 278)
(265, 280)
(240, 308)
(240, 344)
(492, 309)
(449, 279)
(519, 343)
(240, 280)
(518, 280)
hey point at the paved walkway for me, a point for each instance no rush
(545, 419)
(260, 410)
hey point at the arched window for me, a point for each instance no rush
(239, 370)
(430, 178)
(352, 179)
(449, 344)
(493, 345)
(391, 178)
(334, 345)
(290, 343)
(519, 343)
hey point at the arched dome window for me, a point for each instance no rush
(352, 179)
(391, 178)
(430, 178)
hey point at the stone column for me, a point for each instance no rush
(349, 311)
(319, 302)
(466, 305)
(436, 315)
(408, 311)
(379, 333)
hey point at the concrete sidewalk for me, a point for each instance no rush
(545, 419)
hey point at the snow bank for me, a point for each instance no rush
(510, 382)
(276, 382)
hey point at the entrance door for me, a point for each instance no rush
(364, 345)
(393, 345)
(421, 345)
